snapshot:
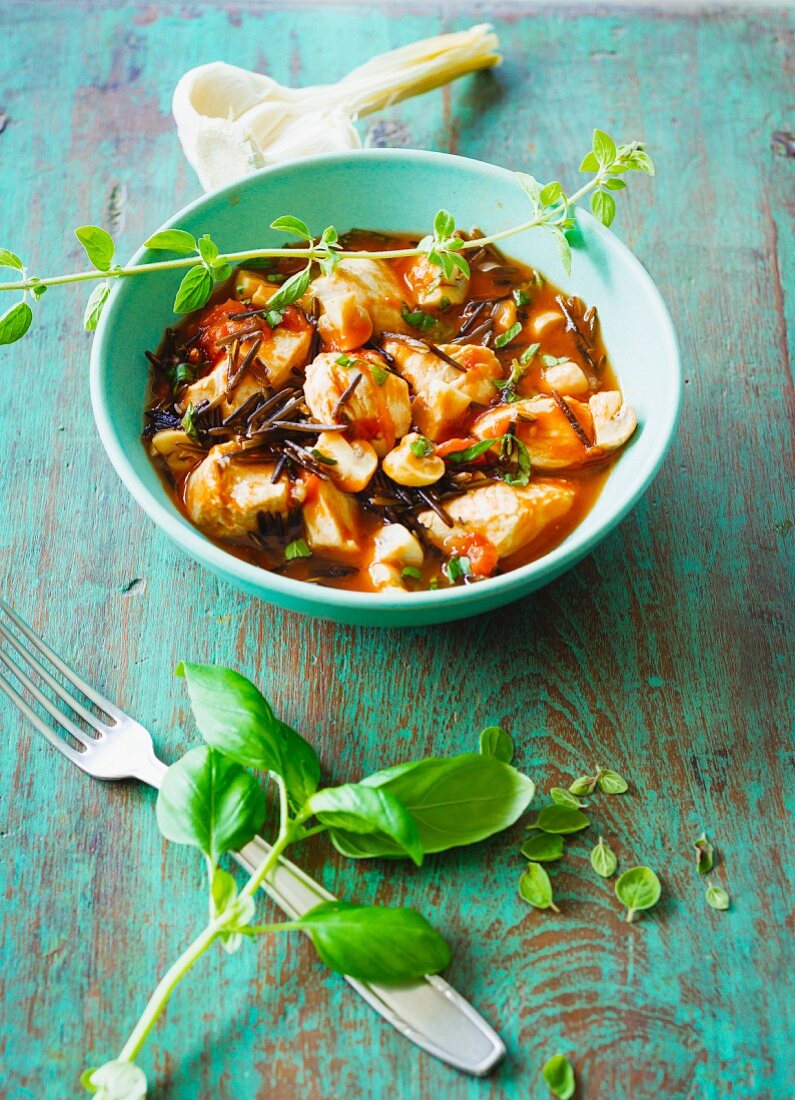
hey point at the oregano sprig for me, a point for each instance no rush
(206, 267)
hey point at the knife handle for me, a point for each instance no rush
(429, 1012)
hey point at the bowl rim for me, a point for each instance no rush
(267, 583)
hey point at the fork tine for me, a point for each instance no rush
(61, 718)
(66, 672)
(39, 723)
(59, 689)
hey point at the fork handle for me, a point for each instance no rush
(429, 1012)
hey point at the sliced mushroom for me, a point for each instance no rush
(407, 467)
(179, 452)
(613, 420)
(353, 462)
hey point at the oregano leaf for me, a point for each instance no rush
(98, 244)
(10, 259)
(173, 240)
(704, 855)
(543, 848)
(15, 322)
(494, 741)
(536, 889)
(638, 889)
(94, 306)
(603, 859)
(194, 290)
(288, 224)
(611, 782)
(717, 897)
(559, 1076)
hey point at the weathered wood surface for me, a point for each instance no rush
(666, 654)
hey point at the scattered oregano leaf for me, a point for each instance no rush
(717, 897)
(494, 741)
(560, 819)
(536, 889)
(543, 848)
(638, 889)
(559, 1076)
(704, 855)
(562, 797)
(603, 859)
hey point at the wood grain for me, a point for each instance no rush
(666, 654)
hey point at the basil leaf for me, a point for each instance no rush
(455, 801)
(603, 859)
(15, 322)
(10, 259)
(704, 855)
(98, 244)
(94, 306)
(638, 888)
(559, 1077)
(506, 337)
(536, 889)
(356, 808)
(495, 742)
(473, 452)
(611, 782)
(194, 290)
(717, 897)
(564, 798)
(289, 292)
(560, 819)
(375, 944)
(288, 224)
(116, 1081)
(173, 240)
(209, 801)
(235, 718)
(543, 848)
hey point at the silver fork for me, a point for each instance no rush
(430, 1012)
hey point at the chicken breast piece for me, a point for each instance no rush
(506, 516)
(551, 438)
(332, 520)
(223, 497)
(358, 294)
(432, 288)
(280, 351)
(442, 393)
(377, 413)
(395, 548)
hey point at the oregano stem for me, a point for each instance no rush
(288, 253)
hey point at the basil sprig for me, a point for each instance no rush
(212, 800)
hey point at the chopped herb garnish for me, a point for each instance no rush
(469, 454)
(458, 567)
(444, 303)
(344, 361)
(182, 373)
(417, 318)
(323, 458)
(524, 468)
(528, 354)
(297, 549)
(273, 318)
(518, 370)
(379, 374)
(411, 572)
(506, 337)
(520, 296)
(189, 426)
(433, 584)
(421, 447)
(276, 278)
(554, 361)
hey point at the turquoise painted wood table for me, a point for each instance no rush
(666, 654)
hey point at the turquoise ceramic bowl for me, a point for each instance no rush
(395, 190)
